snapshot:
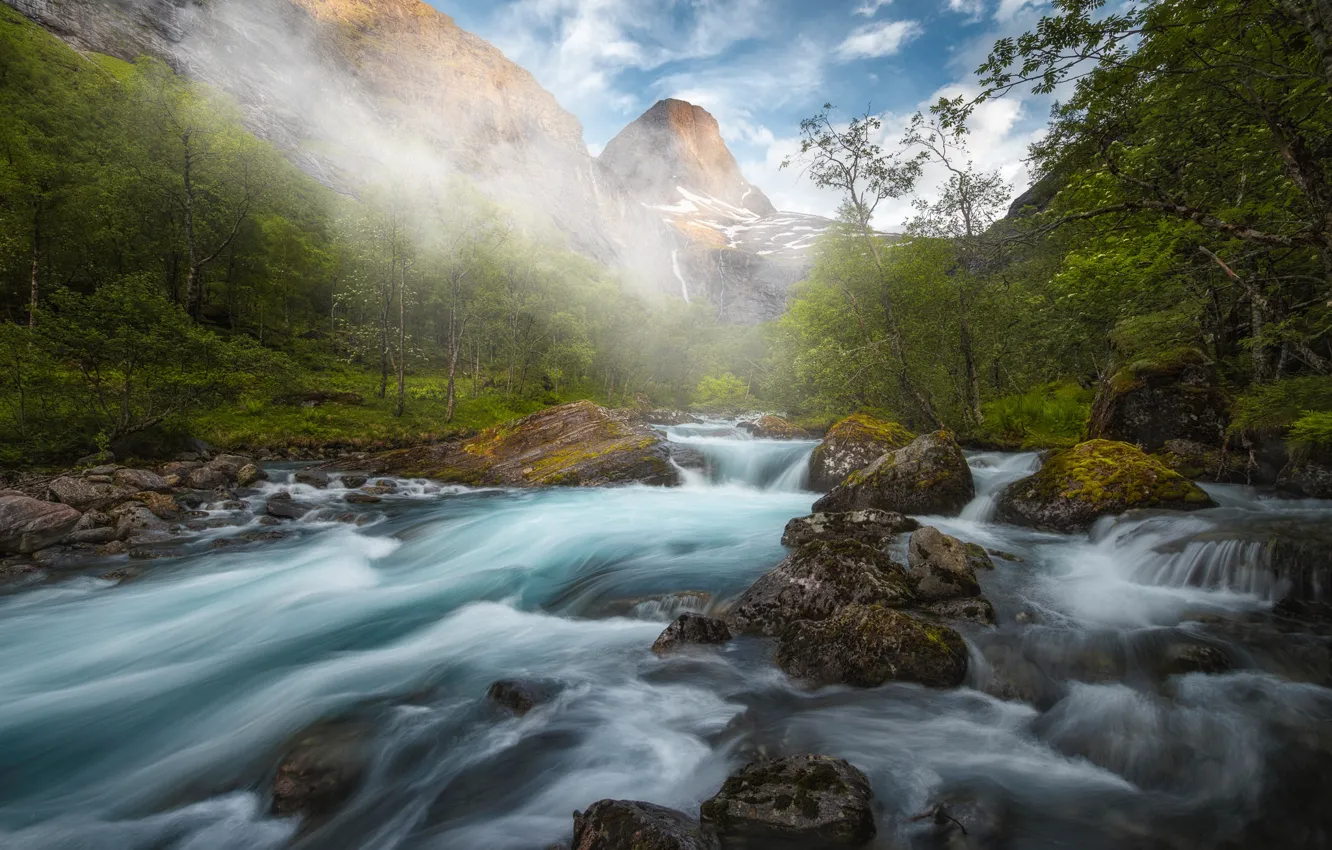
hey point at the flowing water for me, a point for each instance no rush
(150, 714)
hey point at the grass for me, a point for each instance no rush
(1054, 416)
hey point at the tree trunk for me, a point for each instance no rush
(36, 263)
(193, 296)
(402, 344)
(971, 390)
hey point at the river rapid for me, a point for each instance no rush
(149, 715)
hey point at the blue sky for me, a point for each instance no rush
(761, 65)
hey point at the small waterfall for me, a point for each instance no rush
(992, 472)
(732, 457)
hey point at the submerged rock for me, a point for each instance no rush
(321, 769)
(814, 582)
(580, 445)
(631, 825)
(282, 506)
(867, 645)
(871, 527)
(929, 476)
(27, 524)
(802, 801)
(943, 567)
(520, 696)
(1093, 479)
(691, 629)
(852, 444)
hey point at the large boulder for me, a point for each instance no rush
(580, 445)
(802, 801)
(852, 444)
(141, 480)
(28, 524)
(772, 427)
(814, 582)
(631, 825)
(867, 645)
(929, 476)
(871, 527)
(943, 567)
(1310, 477)
(1175, 396)
(690, 628)
(86, 495)
(1093, 479)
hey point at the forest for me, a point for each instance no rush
(163, 272)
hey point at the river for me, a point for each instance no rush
(146, 715)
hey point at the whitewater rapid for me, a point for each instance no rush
(149, 714)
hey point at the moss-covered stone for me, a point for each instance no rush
(772, 427)
(867, 645)
(632, 825)
(574, 445)
(1174, 396)
(1093, 479)
(814, 582)
(929, 476)
(852, 444)
(871, 527)
(797, 801)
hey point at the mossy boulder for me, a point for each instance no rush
(1097, 478)
(632, 825)
(574, 445)
(867, 645)
(801, 801)
(943, 567)
(874, 528)
(1174, 396)
(814, 582)
(772, 427)
(852, 444)
(929, 476)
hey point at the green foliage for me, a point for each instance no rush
(1270, 409)
(1047, 417)
(1312, 432)
(722, 393)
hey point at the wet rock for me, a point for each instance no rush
(580, 445)
(362, 498)
(84, 495)
(967, 822)
(802, 801)
(94, 519)
(387, 485)
(867, 645)
(250, 474)
(975, 610)
(312, 477)
(282, 506)
(852, 444)
(141, 480)
(322, 768)
(776, 428)
(179, 468)
(92, 535)
(691, 629)
(929, 476)
(871, 527)
(943, 567)
(520, 696)
(1093, 479)
(1182, 658)
(663, 416)
(377, 491)
(27, 524)
(163, 506)
(1307, 477)
(115, 547)
(206, 478)
(1003, 556)
(630, 825)
(20, 572)
(137, 524)
(1201, 462)
(269, 520)
(353, 481)
(814, 582)
(688, 458)
(1147, 403)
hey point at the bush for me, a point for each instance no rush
(1051, 416)
(722, 393)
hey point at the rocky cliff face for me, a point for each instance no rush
(727, 243)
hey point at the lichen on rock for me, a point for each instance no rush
(929, 476)
(852, 444)
(1093, 479)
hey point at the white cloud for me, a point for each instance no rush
(970, 8)
(870, 8)
(873, 41)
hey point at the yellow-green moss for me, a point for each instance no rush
(1105, 473)
(862, 426)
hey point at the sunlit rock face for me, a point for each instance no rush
(729, 246)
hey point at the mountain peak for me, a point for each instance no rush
(678, 145)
